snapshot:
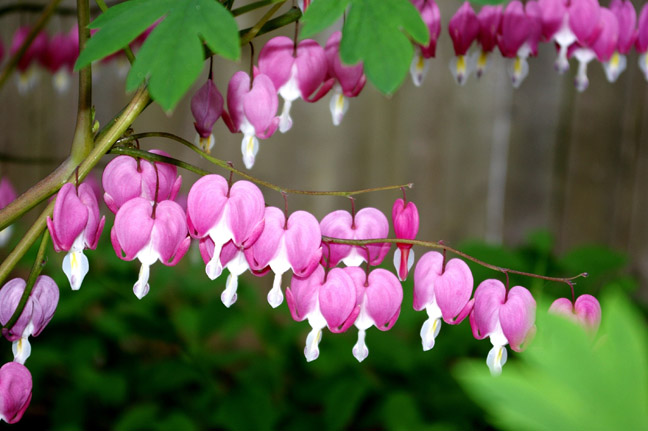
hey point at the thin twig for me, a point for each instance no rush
(225, 165)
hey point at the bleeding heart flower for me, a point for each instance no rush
(294, 244)
(444, 291)
(207, 108)
(59, 57)
(253, 110)
(223, 214)
(36, 314)
(627, 22)
(405, 218)
(76, 226)
(349, 80)
(641, 43)
(325, 300)
(432, 19)
(150, 232)
(507, 318)
(586, 311)
(126, 177)
(368, 223)
(297, 71)
(15, 391)
(27, 77)
(489, 22)
(464, 29)
(379, 296)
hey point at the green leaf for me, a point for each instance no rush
(172, 56)
(320, 15)
(118, 26)
(377, 34)
(569, 380)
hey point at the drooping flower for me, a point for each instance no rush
(489, 23)
(444, 290)
(627, 22)
(15, 391)
(641, 44)
(38, 312)
(325, 300)
(464, 29)
(125, 178)
(432, 19)
(349, 80)
(7, 195)
(59, 57)
(514, 40)
(231, 258)
(223, 214)
(149, 232)
(368, 223)
(207, 108)
(405, 219)
(27, 76)
(283, 245)
(506, 318)
(586, 311)
(379, 296)
(555, 26)
(252, 111)
(76, 226)
(586, 24)
(297, 71)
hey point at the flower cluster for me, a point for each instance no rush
(285, 68)
(582, 29)
(56, 54)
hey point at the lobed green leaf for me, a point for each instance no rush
(320, 15)
(377, 34)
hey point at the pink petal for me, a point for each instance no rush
(69, 218)
(588, 311)
(489, 297)
(237, 89)
(311, 67)
(15, 391)
(606, 43)
(260, 104)
(514, 30)
(276, 60)
(405, 218)
(372, 224)
(489, 21)
(10, 295)
(205, 204)
(303, 243)
(302, 294)
(266, 246)
(453, 289)
(517, 316)
(46, 293)
(206, 107)
(427, 271)
(247, 208)
(337, 300)
(132, 228)
(336, 225)
(169, 229)
(463, 28)
(384, 298)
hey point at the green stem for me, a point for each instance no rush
(226, 165)
(36, 269)
(441, 246)
(134, 152)
(82, 142)
(40, 24)
(252, 6)
(127, 50)
(254, 31)
(36, 7)
(103, 144)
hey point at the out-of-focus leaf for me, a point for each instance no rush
(598, 261)
(567, 380)
(172, 55)
(342, 401)
(139, 417)
(376, 32)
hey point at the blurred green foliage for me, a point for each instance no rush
(179, 360)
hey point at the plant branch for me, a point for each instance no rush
(134, 152)
(252, 6)
(225, 165)
(281, 21)
(441, 246)
(248, 35)
(82, 142)
(40, 24)
(31, 280)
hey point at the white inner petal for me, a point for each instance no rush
(338, 105)
(360, 350)
(418, 68)
(21, 350)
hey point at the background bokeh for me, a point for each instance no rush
(541, 179)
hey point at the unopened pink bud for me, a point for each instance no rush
(586, 310)
(15, 391)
